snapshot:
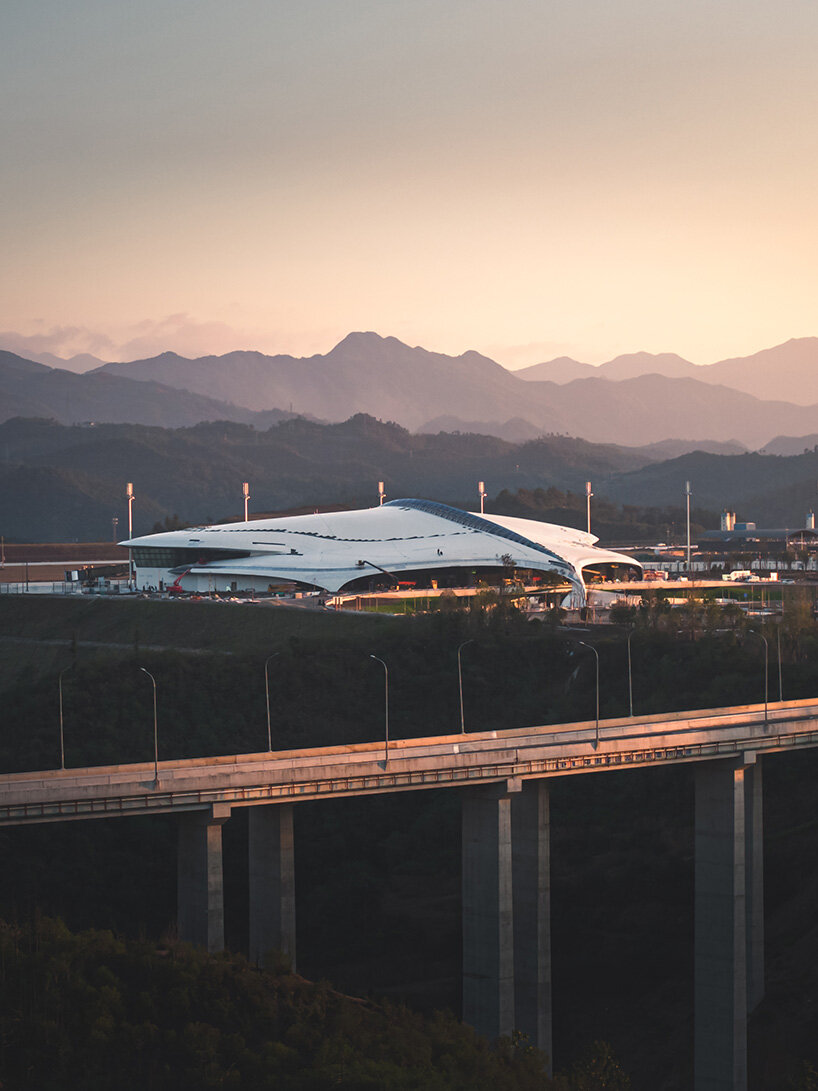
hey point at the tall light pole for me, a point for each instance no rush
(386, 705)
(381, 493)
(588, 495)
(481, 489)
(129, 494)
(780, 685)
(155, 730)
(460, 685)
(687, 497)
(62, 734)
(245, 491)
(267, 695)
(596, 653)
(755, 632)
(630, 674)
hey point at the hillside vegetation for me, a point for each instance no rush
(89, 1010)
(378, 879)
(59, 483)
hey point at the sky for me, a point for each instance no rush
(528, 178)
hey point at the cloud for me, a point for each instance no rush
(184, 335)
(62, 341)
(175, 333)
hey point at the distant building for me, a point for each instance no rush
(736, 537)
(414, 543)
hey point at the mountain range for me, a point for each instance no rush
(32, 389)
(632, 400)
(59, 483)
(787, 372)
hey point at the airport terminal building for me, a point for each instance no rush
(401, 544)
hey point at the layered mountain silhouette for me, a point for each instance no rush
(30, 389)
(787, 372)
(630, 366)
(633, 400)
(770, 490)
(59, 483)
(426, 390)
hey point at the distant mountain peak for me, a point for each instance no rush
(647, 357)
(168, 355)
(358, 338)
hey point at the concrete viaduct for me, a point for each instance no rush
(504, 780)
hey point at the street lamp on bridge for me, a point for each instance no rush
(155, 730)
(630, 675)
(755, 632)
(386, 705)
(62, 735)
(596, 653)
(460, 685)
(780, 681)
(267, 695)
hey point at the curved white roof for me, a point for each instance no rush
(331, 550)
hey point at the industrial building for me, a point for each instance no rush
(747, 538)
(401, 544)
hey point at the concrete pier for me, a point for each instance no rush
(531, 899)
(720, 985)
(488, 940)
(199, 877)
(754, 875)
(272, 882)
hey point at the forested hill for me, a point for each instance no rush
(58, 482)
(770, 490)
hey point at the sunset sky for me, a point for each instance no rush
(529, 178)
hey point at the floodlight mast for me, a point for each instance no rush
(381, 493)
(687, 496)
(481, 489)
(588, 495)
(129, 494)
(245, 489)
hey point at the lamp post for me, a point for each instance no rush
(755, 632)
(780, 685)
(596, 653)
(155, 730)
(630, 674)
(386, 705)
(460, 685)
(129, 494)
(62, 734)
(267, 695)
(588, 495)
(687, 496)
(245, 491)
(481, 489)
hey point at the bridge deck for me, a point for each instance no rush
(440, 761)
